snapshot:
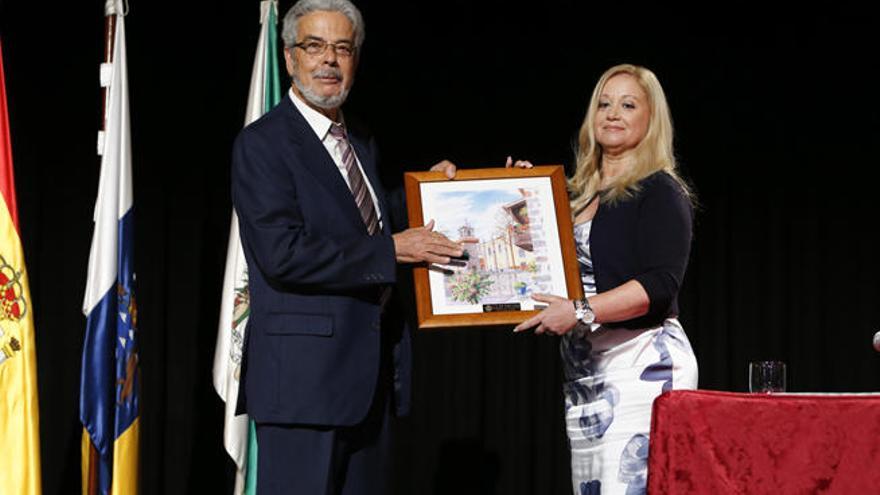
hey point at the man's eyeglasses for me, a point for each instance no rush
(315, 47)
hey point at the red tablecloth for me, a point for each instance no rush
(716, 443)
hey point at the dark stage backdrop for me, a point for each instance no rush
(776, 123)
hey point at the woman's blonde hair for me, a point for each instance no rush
(654, 152)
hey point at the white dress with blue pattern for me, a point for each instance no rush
(612, 377)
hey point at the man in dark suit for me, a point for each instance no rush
(327, 353)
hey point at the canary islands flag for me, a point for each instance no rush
(110, 376)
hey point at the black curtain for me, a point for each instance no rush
(775, 122)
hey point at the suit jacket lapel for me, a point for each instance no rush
(319, 163)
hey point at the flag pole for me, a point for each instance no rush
(109, 35)
(109, 29)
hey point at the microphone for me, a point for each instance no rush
(877, 341)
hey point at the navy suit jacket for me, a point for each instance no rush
(316, 278)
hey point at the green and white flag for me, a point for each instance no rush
(239, 436)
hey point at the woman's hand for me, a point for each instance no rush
(517, 164)
(558, 318)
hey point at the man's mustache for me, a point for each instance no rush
(328, 72)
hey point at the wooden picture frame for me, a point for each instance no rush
(523, 220)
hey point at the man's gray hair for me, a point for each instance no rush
(304, 7)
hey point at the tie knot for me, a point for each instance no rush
(337, 131)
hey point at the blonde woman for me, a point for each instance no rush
(622, 345)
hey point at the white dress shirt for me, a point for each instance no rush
(321, 125)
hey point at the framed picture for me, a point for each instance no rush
(522, 221)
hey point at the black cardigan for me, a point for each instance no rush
(646, 237)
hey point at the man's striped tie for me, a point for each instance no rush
(356, 181)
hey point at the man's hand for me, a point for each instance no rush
(446, 167)
(423, 244)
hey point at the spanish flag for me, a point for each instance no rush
(19, 414)
(109, 407)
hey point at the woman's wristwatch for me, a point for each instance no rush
(583, 312)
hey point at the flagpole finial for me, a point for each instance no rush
(116, 7)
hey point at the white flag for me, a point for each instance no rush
(234, 307)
